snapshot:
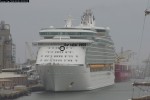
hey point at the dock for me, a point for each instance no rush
(18, 92)
(12, 94)
(37, 87)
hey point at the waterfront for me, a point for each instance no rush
(119, 91)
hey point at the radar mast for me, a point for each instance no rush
(88, 18)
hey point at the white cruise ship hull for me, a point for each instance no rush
(73, 78)
(76, 58)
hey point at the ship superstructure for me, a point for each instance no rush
(76, 58)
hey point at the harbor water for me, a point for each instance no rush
(118, 91)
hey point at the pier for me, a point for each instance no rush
(12, 94)
(18, 92)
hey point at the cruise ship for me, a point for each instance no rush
(74, 58)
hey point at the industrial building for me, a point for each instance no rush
(7, 48)
(10, 79)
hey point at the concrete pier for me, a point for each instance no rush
(11, 94)
(18, 92)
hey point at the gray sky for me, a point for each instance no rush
(124, 17)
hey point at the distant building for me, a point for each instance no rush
(11, 79)
(7, 48)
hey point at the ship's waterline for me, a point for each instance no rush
(118, 91)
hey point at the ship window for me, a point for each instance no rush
(100, 30)
(69, 33)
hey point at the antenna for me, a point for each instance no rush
(69, 21)
(2, 25)
(88, 18)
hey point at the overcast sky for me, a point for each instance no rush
(124, 17)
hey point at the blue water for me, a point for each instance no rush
(119, 91)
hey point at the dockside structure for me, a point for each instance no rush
(7, 52)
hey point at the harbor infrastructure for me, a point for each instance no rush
(13, 84)
(9, 79)
(7, 47)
